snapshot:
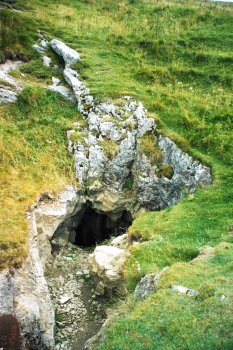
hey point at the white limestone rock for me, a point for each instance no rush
(7, 95)
(69, 55)
(24, 294)
(55, 81)
(49, 216)
(184, 290)
(124, 123)
(39, 48)
(46, 61)
(97, 161)
(63, 91)
(107, 263)
(93, 121)
(9, 91)
(44, 43)
(191, 172)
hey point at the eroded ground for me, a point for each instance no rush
(79, 312)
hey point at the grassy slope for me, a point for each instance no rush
(176, 57)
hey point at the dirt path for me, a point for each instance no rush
(79, 312)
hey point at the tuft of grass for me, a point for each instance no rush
(148, 146)
(110, 148)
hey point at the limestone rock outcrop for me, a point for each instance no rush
(111, 165)
(9, 86)
(49, 214)
(24, 293)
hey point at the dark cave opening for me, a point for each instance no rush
(96, 226)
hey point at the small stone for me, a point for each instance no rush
(222, 298)
(184, 290)
(44, 43)
(55, 81)
(64, 299)
(46, 61)
(39, 48)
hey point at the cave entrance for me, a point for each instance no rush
(96, 226)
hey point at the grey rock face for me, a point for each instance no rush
(108, 156)
(46, 60)
(63, 91)
(49, 215)
(7, 95)
(24, 293)
(191, 172)
(148, 284)
(9, 90)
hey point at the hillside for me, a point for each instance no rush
(175, 57)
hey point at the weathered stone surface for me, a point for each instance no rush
(49, 215)
(184, 290)
(39, 48)
(7, 95)
(69, 55)
(110, 167)
(148, 284)
(46, 61)
(8, 91)
(106, 262)
(24, 294)
(64, 91)
(120, 241)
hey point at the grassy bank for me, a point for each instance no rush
(176, 57)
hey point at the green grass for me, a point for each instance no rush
(169, 320)
(176, 57)
(34, 158)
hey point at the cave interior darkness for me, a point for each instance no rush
(96, 226)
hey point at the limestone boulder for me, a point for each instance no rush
(7, 95)
(69, 55)
(63, 91)
(148, 284)
(107, 265)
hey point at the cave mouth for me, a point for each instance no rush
(96, 226)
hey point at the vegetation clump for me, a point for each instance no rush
(110, 148)
(148, 146)
(167, 171)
